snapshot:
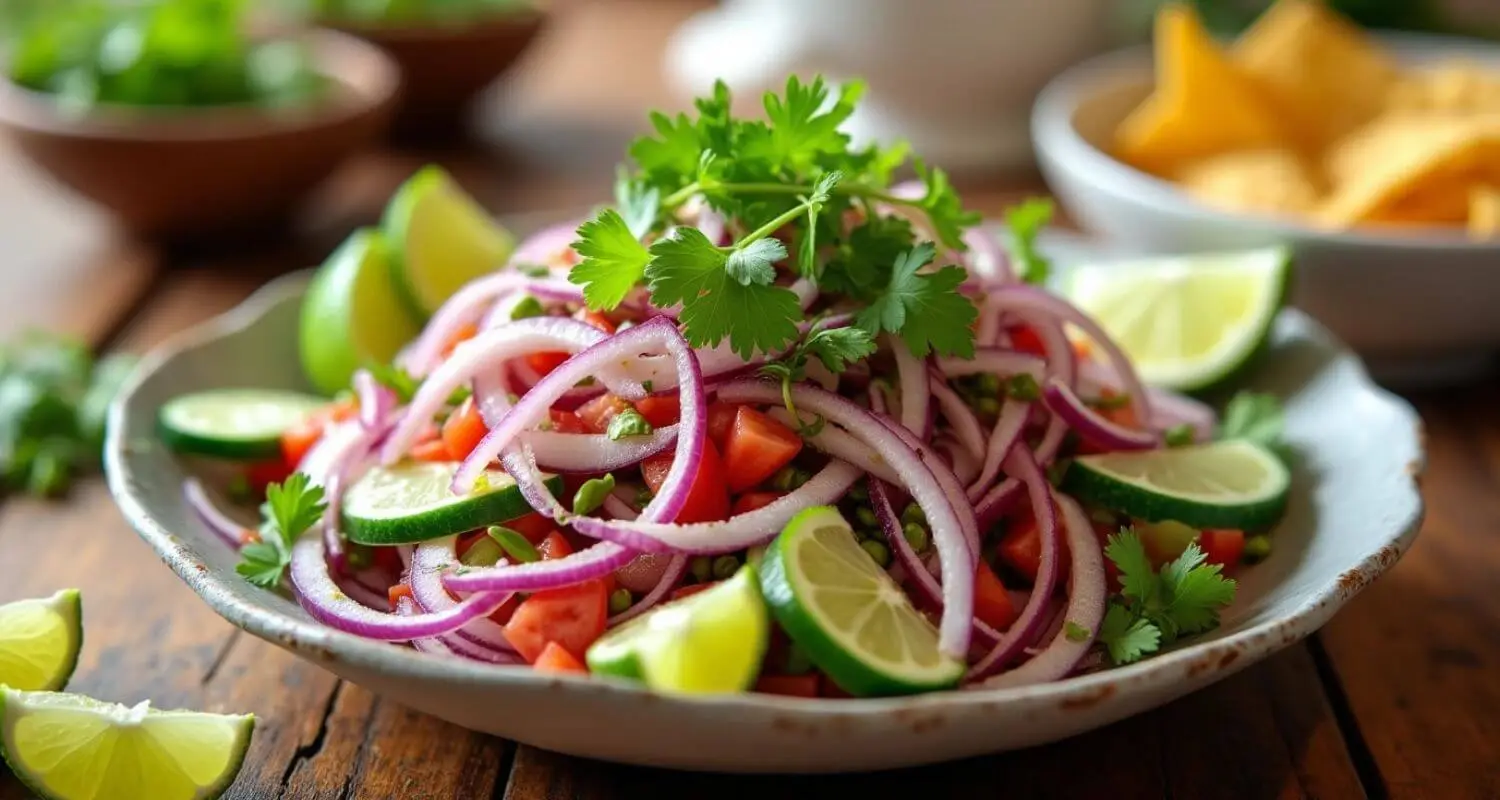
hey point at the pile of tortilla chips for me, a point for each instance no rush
(1306, 116)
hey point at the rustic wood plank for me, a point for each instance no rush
(1266, 732)
(1418, 653)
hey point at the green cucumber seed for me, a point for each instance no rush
(915, 535)
(725, 566)
(878, 551)
(515, 545)
(1257, 549)
(629, 423)
(592, 493)
(620, 600)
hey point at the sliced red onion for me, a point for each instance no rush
(834, 441)
(1028, 625)
(1009, 426)
(484, 352)
(332, 463)
(1168, 409)
(592, 562)
(1086, 598)
(987, 330)
(998, 501)
(965, 465)
(233, 533)
(670, 577)
(806, 291)
(948, 532)
(466, 306)
(712, 224)
(1061, 360)
(1092, 426)
(430, 562)
(546, 247)
(465, 648)
(959, 415)
(994, 361)
(737, 532)
(596, 452)
(916, 393)
(618, 507)
(406, 608)
(328, 603)
(526, 377)
(1024, 299)
(941, 472)
(987, 257)
(375, 401)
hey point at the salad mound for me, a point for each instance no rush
(769, 421)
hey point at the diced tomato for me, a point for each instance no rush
(596, 319)
(1222, 546)
(463, 429)
(1023, 338)
(507, 609)
(721, 422)
(572, 616)
(567, 422)
(789, 685)
(266, 473)
(386, 558)
(298, 439)
(1021, 548)
(464, 332)
(660, 410)
(554, 546)
(750, 501)
(555, 658)
(597, 413)
(546, 361)
(757, 447)
(708, 498)
(992, 603)
(431, 450)
(533, 526)
(692, 589)
(395, 593)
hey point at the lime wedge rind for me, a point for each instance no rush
(66, 609)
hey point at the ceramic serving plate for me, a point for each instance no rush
(1354, 511)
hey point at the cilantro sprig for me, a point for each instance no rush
(291, 507)
(799, 198)
(835, 348)
(1155, 608)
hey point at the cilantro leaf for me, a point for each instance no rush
(1126, 637)
(1137, 576)
(926, 310)
(945, 209)
(637, 202)
(800, 129)
(261, 564)
(756, 262)
(291, 507)
(687, 268)
(838, 347)
(1025, 221)
(397, 379)
(1253, 416)
(612, 260)
(1194, 591)
(673, 153)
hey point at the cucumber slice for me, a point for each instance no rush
(240, 424)
(411, 502)
(847, 614)
(1230, 484)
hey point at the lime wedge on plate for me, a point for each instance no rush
(39, 641)
(847, 614)
(352, 316)
(69, 747)
(711, 642)
(1186, 321)
(1230, 484)
(440, 239)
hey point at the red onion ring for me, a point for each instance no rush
(1086, 600)
(587, 564)
(916, 392)
(987, 257)
(941, 472)
(670, 577)
(965, 465)
(466, 306)
(1009, 426)
(1026, 627)
(1168, 409)
(993, 361)
(233, 533)
(544, 247)
(375, 401)
(959, 415)
(584, 453)
(430, 562)
(1090, 424)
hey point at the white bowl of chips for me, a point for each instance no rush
(1384, 176)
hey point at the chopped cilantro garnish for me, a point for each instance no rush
(629, 423)
(291, 507)
(1025, 221)
(1154, 607)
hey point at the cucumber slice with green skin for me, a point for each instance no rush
(847, 614)
(1229, 484)
(239, 424)
(411, 502)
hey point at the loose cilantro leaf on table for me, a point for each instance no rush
(291, 507)
(1156, 608)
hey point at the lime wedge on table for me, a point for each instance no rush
(847, 614)
(1186, 321)
(440, 239)
(1229, 484)
(39, 641)
(352, 316)
(707, 643)
(69, 747)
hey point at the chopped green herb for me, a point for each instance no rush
(629, 422)
(291, 507)
(1158, 607)
(528, 307)
(1024, 222)
(1075, 632)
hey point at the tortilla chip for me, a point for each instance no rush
(1201, 106)
(1456, 86)
(1484, 211)
(1270, 181)
(1318, 69)
(1410, 167)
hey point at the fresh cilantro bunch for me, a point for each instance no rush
(795, 195)
(1156, 608)
(291, 507)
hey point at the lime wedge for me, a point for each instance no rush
(847, 614)
(440, 239)
(1231, 484)
(1189, 321)
(352, 316)
(711, 642)
(39, 641)
(69, 747)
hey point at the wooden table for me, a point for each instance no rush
(1397, 697)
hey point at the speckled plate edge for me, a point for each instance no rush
(1193, 665)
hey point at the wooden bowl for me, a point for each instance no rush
(445, 66)
(202, 172)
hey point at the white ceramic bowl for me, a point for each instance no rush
(1417, 307)
(1354, 511)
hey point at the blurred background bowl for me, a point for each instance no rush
(196, 173)
(445, 65)
(1418, 306)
